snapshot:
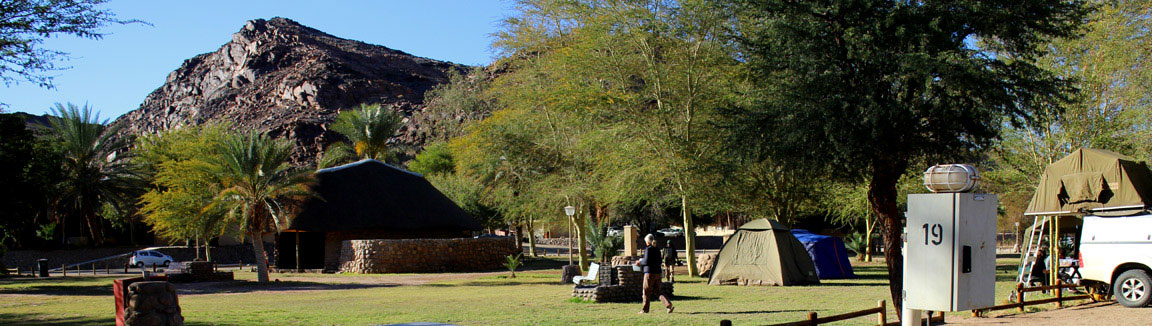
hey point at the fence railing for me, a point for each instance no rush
(881, 311)
(1021, 302)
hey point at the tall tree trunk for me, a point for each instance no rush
(93, 225)
(261, 261)
(531, 238)
(519, 237)
(689, 236)
(197, 240)
(582, 240)
(868, 239)
(882, 196)
(207, 250)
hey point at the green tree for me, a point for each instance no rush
(864, 88)
(367, 130)
(649, 73)
(1110, 112)
(451, 106)
(434, 159)
(179, 204)
(257, 187)
(25, 24)
(94, 171)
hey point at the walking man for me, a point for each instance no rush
(669, 262)
(651, 263)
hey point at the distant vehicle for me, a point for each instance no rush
(489, 235)
(672, 232)
(615, 231)
(149, 258)
(1116, 255)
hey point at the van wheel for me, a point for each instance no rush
(1133, 288)
(140, 264)
(166, 263)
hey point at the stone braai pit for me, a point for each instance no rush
(617, 284)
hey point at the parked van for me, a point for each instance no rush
(1116, 255)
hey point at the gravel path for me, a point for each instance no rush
(1103, 313)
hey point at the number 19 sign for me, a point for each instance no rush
(950, 262)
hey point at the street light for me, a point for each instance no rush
(571, 211)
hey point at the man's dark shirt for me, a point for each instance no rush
(651, 260)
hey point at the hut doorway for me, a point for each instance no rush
(311, 250)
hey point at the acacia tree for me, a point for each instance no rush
(1111, 111)
(652, 71)
(94, 173)
(179, 204)
(258, 185)
(863, 88)
(25, 24)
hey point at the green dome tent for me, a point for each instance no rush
(763, 252)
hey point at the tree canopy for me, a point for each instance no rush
(864, 88)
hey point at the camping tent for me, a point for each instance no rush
(828, 253)
(763, 252)
(1092, 179)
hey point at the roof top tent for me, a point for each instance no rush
(1086, 182)
(368, 200)
(828, 254)
(1092, 180)
(763, 252)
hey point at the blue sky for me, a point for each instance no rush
(116, 73)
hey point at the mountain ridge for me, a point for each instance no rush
(289, 80)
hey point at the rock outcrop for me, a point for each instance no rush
(289, 80)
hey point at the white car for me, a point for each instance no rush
(614, 231)
(149, 258)
(1116, 255)
(672, 232)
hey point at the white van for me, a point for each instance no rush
(1116, 255)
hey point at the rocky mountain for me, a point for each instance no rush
(289, 80)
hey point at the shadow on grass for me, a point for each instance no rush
(752, 312)
(38, 319)
(246, 287)
(851, 284)
(58, 286)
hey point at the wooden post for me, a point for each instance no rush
(1059, 294)
(812, 319)
(107, 270)
(93, 269)
(298, 251)
(1020, 295)
(725, 322)
(882, 317)
(64, 270)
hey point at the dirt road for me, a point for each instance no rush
(1104, 313)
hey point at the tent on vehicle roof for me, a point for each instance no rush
(763, 252)
(828, 253)
(1093, 179)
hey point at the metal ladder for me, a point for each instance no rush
(1034, 238)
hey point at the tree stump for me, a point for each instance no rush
(570, 272)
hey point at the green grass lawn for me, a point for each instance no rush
(533, 298)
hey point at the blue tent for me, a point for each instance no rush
(828, 253)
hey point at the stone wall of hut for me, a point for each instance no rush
(425, 255)
(334, 241)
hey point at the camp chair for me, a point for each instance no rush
(592, 271)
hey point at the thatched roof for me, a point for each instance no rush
(372, 195)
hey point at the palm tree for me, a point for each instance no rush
(367, 130)
(257, 184)
(94, 172)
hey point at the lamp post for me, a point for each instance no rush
(570, 211)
